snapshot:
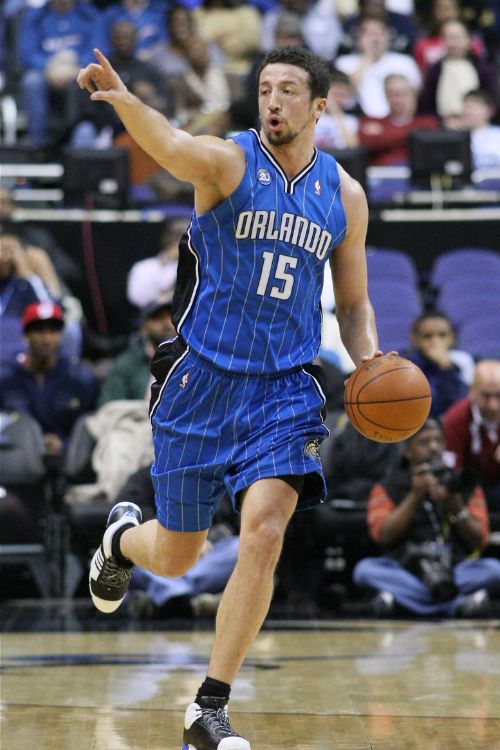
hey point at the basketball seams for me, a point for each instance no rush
(390, 400)
(385, 373)
(413, 406)
(385, 426)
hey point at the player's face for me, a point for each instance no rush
(285, 106)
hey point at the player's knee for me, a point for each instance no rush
(263, 541)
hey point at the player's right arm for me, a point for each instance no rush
(214, 166)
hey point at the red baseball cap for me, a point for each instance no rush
(42, 311)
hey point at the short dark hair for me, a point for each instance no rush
(484, 96)
(338, 76)
(317, 69)
(430, 315)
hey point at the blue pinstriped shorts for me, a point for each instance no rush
(216, 433)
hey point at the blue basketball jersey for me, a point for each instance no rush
(251, 270)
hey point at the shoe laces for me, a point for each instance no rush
(113, 573)
(218, 721)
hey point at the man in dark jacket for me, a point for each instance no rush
(52, 389)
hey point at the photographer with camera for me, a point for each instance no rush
(432, 522)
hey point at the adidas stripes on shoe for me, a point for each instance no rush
(109, 578)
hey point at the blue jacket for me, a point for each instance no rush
(150, 23)
(68, 391)
(44, 32)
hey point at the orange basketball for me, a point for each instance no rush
(387, 398)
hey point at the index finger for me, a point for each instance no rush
(103, 60)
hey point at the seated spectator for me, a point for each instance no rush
(372, 63)
(170, 56)
(155, 277)
(147, 16)
(99, 125)
(130, 374)
(19, 287)
(68, 271)
(55, 40)
(478, 111)
(432, 340)
(386, 137)
(401, 27)
(201, 91)
(430, 46)
(472, 431)
(431, 528)
(455, 74)
(236, 29)
(52, 389)
(337, 128)
(318, 25)
(48, 287)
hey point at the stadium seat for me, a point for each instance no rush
(386, 263)
(464, 261)
(481, 337)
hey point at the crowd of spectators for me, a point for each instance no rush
(392, 71)
(62, 394)
(396, 66)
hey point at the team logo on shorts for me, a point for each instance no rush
(185, 380)
(311, 449)
(264, 177)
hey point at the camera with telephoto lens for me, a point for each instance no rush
(435, 570)
(431, 562)
(455, 480)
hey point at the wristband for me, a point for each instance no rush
(460, 516)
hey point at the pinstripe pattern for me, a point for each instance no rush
(296, 223)
(235, 399)
(218, 433)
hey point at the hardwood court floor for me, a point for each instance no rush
(333, 685)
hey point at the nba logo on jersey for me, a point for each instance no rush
(317, 187)
(264, 177)
(185, 380)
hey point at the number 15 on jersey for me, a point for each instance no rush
(281, 274)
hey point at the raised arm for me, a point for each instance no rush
(214, 166)
(352, 306)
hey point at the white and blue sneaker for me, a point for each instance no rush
(206, 727)
(109, 578)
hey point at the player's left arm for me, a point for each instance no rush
(348, 264)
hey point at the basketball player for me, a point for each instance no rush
(237, 406)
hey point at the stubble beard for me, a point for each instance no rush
(280, 139)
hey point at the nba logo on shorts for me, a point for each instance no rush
(264, 177)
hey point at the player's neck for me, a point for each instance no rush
(292, 157)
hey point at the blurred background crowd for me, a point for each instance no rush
(74, 430)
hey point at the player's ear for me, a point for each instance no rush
(320, 106)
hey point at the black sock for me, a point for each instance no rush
(213, 689)
(115, 543)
